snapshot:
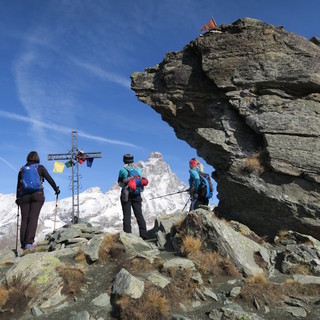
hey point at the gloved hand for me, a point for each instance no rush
(18, 201)
(57, 190)
(144, 182)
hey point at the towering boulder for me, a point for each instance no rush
(247, 97)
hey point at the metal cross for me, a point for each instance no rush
(74, 156)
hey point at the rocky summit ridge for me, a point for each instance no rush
(194, 266)
(246, 96)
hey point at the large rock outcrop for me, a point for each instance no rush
(247, 97)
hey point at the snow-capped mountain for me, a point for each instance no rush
(103, 210)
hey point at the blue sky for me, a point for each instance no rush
(65, 65)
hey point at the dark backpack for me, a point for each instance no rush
(30, 179)
(134, 173)
(205, 189)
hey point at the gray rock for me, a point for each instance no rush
(210, 294)
(7, 257)
(235, 291)
(255, 120)
(103, 300)
(36, 311)
(297, 311)
(82, 315)
(39, 269)
(218, 236)
(125, 283)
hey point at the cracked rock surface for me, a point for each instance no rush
(246, 96)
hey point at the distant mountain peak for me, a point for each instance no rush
(155, 155)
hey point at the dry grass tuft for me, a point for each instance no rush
(110, 248)
(259, 279)
(74, 278)
(258, 287)
(141, 265)
(282, 235)
(291, 287)
(4, 294)
(152, 305)
(181, 287)
(15, 295)
(190, 246)
(207, 262)
(300, 269)
(254, 163)
(81, 257)
(228, 268)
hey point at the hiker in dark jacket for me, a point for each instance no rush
(129, 198)
(31, 202)
(194, 182)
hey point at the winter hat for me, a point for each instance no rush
(193, 163)
(128, 158)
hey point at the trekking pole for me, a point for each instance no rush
(186, 204)
(55, 213)
(169, 194)
(17, 232)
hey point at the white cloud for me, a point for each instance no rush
(109, 76)
(8, 164)
(62, 129)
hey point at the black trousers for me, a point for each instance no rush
(135, 202)
(197, 202)
(30, 206)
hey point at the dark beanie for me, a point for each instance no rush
(128, 158)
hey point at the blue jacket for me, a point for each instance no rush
(194, 180)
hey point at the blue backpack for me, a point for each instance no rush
(205, 189)
(134, 173)
(30, 179)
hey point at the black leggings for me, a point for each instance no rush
(135, 203)
(30, 205)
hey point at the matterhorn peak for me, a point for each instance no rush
(155, 155)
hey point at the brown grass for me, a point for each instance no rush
(4, 294)
(181, 286)
(15, 295)
(151, 306)
(81, 257)
(190, 246)
(282, 235)
(292, 287)
(300, 269)
(74, 278)
(258, 287)
(141, 265)
(254, 163)
(110, 248)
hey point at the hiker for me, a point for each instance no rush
(132, 183)
(197, 198)
(30, 197)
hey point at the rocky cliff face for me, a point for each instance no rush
(247, 97)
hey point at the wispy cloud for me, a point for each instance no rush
(109, 76)
(8, 164)
(62, 129)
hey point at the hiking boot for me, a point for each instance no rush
(30, 246)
